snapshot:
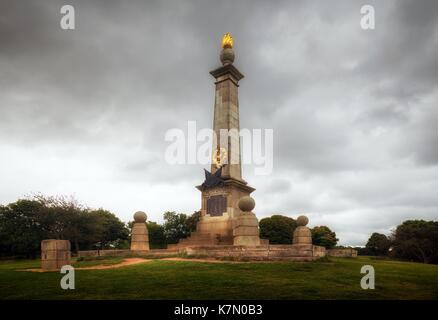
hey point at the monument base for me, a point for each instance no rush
(55, 254)
(139, 237)
(219, 213)
(258, 253)
(225, 252)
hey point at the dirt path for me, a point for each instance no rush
(124, 263)
(201, 260)
(133, 261)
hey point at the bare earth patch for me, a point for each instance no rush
(201, 260)
(124, 263)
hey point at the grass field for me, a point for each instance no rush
(334, 278)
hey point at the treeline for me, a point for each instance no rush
(26, 222)
(279, 229)
(413, 240)
(176, 226)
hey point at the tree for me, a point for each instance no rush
(179, 225)
(24, 223)
(20, 231)
(378, 245)
(65, 218)
(157, 239)
(112, 230)
(175, 226)
(192, 221)
(416, 240)
(323, 236)
(277, 229)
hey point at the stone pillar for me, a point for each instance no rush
(224, 186)
(246, 226)
(55, 254)
(226, 115)
(302, 234)
(139, 234)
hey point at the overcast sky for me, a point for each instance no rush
(354, 112)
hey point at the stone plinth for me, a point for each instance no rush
(140, 234)
(55, 254)
(246, 226)
(258, 253)
(302, 234)
(246, 230)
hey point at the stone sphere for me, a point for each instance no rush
(227, 56)
(302, 221)
(140, 216)
(246, 204)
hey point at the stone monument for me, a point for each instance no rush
(139, 234)
(223, 185)
(302, 234)
(55, 254)
(246, 226)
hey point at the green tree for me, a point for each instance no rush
(323, 236)
(111, 232)
(20, 230)
(179, 225)
(157, 239)
(175, 226)
(378, 245)
(277, 229)
(416, 240)
(24, 223)
(192, 221)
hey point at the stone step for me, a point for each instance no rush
(200, 238)
(201, 235)
(225, 240)
(200, 242)
(197, 239)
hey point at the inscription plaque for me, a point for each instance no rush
(216, 205)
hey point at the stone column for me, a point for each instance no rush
(139, 234)
(246, 226)
(224, 186)
(226, 116)
(302, 234)
(55, 254)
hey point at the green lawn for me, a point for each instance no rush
(334, 278)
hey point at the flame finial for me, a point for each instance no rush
(227, 41)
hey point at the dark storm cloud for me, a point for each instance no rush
(353, 111)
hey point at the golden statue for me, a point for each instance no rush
(219, 157)
(227, 41)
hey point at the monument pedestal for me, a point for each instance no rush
(139, 233)
(139, 237)
(302, 234)
(55, 254)
(219, 209)
(246, 226)
(246, 230)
